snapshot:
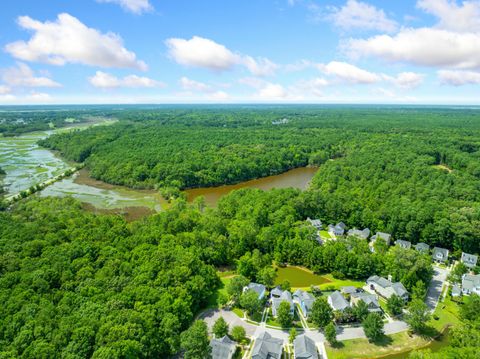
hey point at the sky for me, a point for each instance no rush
(240, 51)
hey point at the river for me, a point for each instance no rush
(28, 164)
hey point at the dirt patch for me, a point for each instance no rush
(129, 213)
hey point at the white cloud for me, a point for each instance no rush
(206, 53)
(23, 76)
(461, 18)
(220, 96)
(349, 73)
(423, 46)
(38, 97)
(134, 6)
(192, 85)
(105, 80)
(359, 15)
(272, 91)
(67, 40)
(4, 90)
(406, 80)
(459, 78)
(313, 86)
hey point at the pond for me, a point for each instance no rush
(297, 178)
(299, 277)
(27, 164)
(435, 345)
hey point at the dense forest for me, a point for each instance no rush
(78, 285)
(15, 121)
(413, 172)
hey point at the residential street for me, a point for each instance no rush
(435, 288)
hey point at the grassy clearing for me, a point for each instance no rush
(447, 314)
(298, 277)
(336, 284)
(239, 312)
(361, 348)
(325, 234)
(443, 167)
(213, 300)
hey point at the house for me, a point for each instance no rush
(223, 348)
(337, 301)
(471, 284)
(370, 300)
(267, 347)
(470, 260)
(284, 296)
(337, 230)
(440, 254)
(257, 288)
(316, 223)
(305, 348)
(349, 290)
(305, 300)
(456, 291)
(403, 244)
(276, 292)
(422, 247)
(386, 288)
(379, 235)
(362, 234)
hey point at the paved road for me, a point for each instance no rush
(435, 288)
(253, 330)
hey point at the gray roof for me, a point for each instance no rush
(223, 348)
(403, 244)
(363, 234)
(341, 225)
(284, 297)
(258, 288)
(385, 236)
(380, 281)
(470, 260)
(315, 222)
(337, 301)
(305, 348)
(470, 281)
(267, 347)
(337, 228)
(440, 254)
(349, 289)
(399, 289)
(304, 297)
(277, 291)
(456, 291)
(368, 298)
(422, 247)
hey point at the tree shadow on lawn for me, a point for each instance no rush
(383, 341)
(428, 333)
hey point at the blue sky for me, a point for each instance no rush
(237, 51)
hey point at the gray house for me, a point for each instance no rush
(380, 235)
(362, 234)
(257, 288)
(316, 223)
(422, 247)
(267, 347)
(281, 296)
(440, 254)
(403, 244)
(471, 284)
(337, 301)
(223, 348)
(386, 288)
(470, 260)
(337, 230)
(305, 300)
(305, 348)
(370, 300)
(349, 290)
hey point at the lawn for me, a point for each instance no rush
(325, 234)
(447, 313)
(361, 348)
(272, 321)
(336, 284)
(212, 301)
(299, 277)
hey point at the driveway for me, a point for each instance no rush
(210, 316)
(435, 287)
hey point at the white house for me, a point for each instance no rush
(257, 288)
(386, 288)
(279, 297)
(337, 301)
(470, 260)
(471, 284)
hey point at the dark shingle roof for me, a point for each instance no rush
(305, 348)
(267, 347)
(223, 348)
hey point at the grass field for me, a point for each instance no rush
(334, 284)
(299, 277)
(325, 234)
